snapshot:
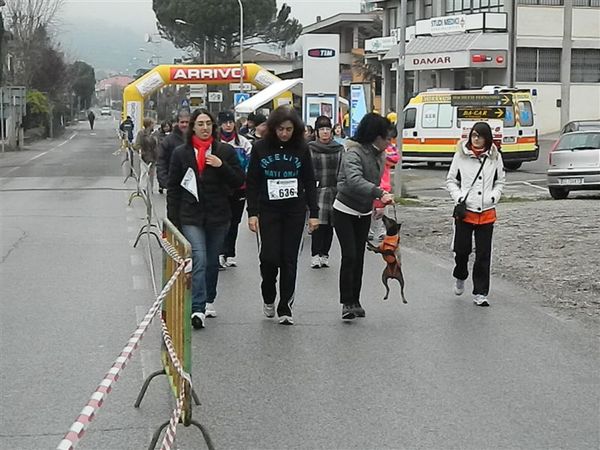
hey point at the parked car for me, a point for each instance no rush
(105, 111)
(580, 125)
(574, 163)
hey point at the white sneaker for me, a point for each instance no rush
(198, 320)
(481, 300)
(231, 262)
(222, 262)
(315, 262)
(459, 287)
(269, 310)
(325, 261)
(210, 310)
(286, 320)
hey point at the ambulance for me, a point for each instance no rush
(434, 122)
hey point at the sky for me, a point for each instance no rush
(109, 33)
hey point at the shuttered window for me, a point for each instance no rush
(538, 64)
(585, 65)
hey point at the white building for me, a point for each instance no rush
(472, 43)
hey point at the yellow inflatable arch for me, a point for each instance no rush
(135, 93)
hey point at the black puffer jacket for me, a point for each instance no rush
(168, 145)
(214, 187)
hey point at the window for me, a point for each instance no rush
(525, 114)
(538, 64)
(542, 2)
(427, 9)
(393, 16)
(474, 6)
(579, 141)
(437, 115)
(588, 3)
(585, 65)
(410, 118)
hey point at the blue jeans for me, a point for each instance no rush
(207, 242)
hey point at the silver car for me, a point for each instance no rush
(574, 163)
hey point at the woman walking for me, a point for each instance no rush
(475, 182)
(358, 187)
(326, 155)
(228, 134)
(280, 188)
(202, 175)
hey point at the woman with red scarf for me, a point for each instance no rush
(202, 175)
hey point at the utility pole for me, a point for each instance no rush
(565, 63)
(511, 11)
(241, 46)
(400, 65)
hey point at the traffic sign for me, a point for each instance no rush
(477, 100)
(481, 113)
(240, 97)
(236, 87)
(215, 97)
(198, 90)
(185, 103)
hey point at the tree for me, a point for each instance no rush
(216, 24)
(83, 82)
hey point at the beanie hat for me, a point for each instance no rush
(259, 118)
(225, 116)
(323, 122)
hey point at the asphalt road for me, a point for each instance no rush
(437, 373)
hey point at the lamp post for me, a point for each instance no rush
(400, 65)
(241, 46)
(183, 22)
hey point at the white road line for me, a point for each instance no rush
(53, 148)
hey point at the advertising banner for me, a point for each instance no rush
(358, 106)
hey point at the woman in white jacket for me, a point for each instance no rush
(482, 191)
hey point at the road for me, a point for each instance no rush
(437, 373)
(528, 181)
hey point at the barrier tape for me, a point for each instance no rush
(169, 438)
(87, 414)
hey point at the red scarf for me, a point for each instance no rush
(477, 151)
(201, 146)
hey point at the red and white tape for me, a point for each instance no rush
(87, 414)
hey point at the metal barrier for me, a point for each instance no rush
(177, 335)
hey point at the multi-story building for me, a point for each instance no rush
(460, 44)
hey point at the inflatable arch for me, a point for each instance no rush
(135, 93)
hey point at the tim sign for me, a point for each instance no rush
(321, 53)
(205, 74)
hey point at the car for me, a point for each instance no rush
(574, 163)
(105, 111)
(580, 125)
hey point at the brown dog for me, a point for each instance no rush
(390, 250)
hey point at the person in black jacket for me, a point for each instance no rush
(280, 188)
(202, 175)
(170, 143)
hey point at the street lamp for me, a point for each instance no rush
(183, 22)
(241, 46)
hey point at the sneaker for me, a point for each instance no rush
(325, 261)
(160, 190)
(459, 286)
(269, 310)
(359, 311)
(286, 320)
(348, 312)
(210, 310)
(231, 262)
(481, 300)
(198, 320)
(315, 262)
(222, 262)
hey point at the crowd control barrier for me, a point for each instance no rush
(176, 354)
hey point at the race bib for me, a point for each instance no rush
(282, 189)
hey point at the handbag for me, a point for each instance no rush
(460, 209)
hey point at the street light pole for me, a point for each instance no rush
(241, 46)
(400, 65)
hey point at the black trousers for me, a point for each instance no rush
(281, 234)
(352, 232)
(321, 240)
(463, 244)
(237, 210)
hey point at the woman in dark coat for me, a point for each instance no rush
(202, 174)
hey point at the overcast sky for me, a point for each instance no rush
(108, 34)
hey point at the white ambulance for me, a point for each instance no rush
(433, 123)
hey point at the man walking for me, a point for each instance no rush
(170, 143)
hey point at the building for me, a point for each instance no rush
(460, 44)
(354, 29)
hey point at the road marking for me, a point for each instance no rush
(53, 148)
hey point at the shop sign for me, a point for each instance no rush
(478, 100)
(437, 61)
(449, 24)
(480, 113)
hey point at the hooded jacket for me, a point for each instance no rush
(487, 189)
(326, 159)
(359, 176)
